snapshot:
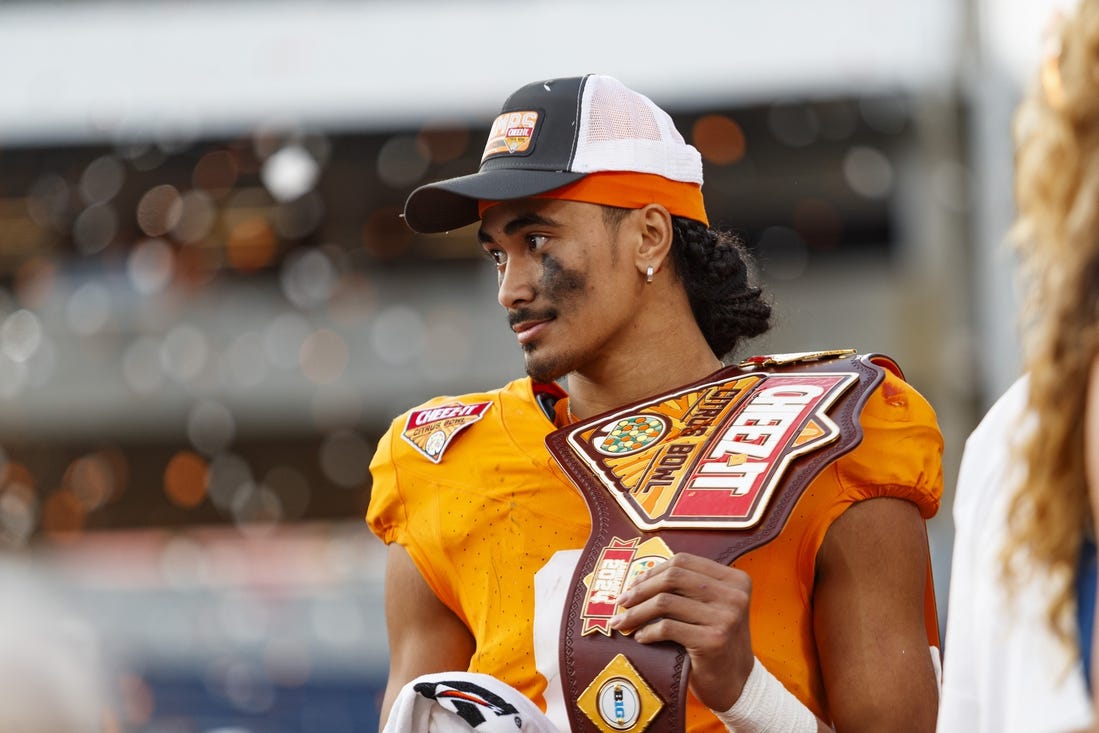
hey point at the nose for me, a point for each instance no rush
(517, 280)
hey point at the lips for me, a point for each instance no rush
(526, 331)
(528, 323)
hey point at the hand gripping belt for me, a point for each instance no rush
(713, 469)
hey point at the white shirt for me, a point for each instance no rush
(1004, 670)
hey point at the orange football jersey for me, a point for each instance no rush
(468, 487)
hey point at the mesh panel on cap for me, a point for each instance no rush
(621, 130)
(615, 113)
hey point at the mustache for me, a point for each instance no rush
(522, 315)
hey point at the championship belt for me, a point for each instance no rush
(713, 469)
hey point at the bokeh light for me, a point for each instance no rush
(403, 160)
(91, 479)
(63, 516)
(185, 479)
(244, 362)
(20, 335)
(345, 458)
(227, 476)
(308, 278)
(290, 173)
(283, 339)
(102, 180)
(216, 173)
(88, 310)
(19, 504)
(324, 356)
(719, 139)
(141, 366)
(256, 509)
(196, 217)
(450, 331)
(150, 266)
(211, 427)
(868, 172)
(95, 228)
(184, 352)
(48, 202)
(252, 244)
(159, 210)
(794, 125)
(301, 217)
(398, 335)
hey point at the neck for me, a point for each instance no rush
(619, 382)
(661, 349)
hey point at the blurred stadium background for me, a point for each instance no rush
(209, 309)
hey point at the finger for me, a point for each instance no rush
(725, 609)
(703, 640)
(696, 578)
(659, 607)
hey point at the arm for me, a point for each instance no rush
(702, 605)
(1091, 467)
(424, 635)
(868, 618)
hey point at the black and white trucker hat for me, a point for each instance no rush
(555, 133)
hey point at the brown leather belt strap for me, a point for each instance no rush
(712, 469)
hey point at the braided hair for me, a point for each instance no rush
(714, 269)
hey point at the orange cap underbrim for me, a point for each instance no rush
(628, 190)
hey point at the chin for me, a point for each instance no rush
(545, 369)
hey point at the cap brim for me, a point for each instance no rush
(452, 204)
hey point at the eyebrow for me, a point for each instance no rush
(520, 222)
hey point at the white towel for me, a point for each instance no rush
(459, 702)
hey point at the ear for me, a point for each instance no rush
(656, 237)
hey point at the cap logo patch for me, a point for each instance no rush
(512, 132)
(431, 430)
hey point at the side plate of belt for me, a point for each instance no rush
(714, 469)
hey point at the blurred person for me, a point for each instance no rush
(1019, 633)
(591, 210)
(52, 678)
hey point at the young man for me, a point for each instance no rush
(591, 209)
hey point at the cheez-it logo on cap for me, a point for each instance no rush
(512, 132)
(431, 430)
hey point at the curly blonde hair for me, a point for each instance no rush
(1056, 237)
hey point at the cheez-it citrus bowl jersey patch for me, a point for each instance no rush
(431, 430)
(511, 133)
